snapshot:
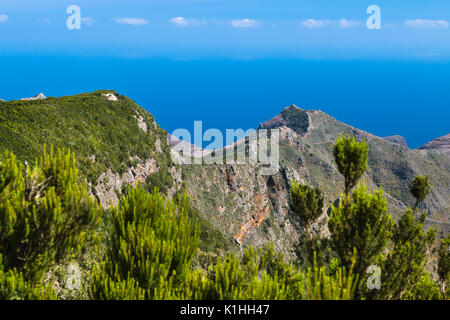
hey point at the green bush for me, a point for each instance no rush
(46, 214)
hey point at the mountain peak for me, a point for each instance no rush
(292, 117)
(441, 144)
(293, 107)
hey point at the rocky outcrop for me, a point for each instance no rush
(141, 123)
(39, 96)
(110, 96)
(441, 144)
(109, 184)
(397, 140)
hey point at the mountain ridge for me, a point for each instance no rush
(441, 144)
(119, 144)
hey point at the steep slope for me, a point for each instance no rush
(441, 144)
(116, 141)
(253, 208)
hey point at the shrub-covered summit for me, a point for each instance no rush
(103, 133)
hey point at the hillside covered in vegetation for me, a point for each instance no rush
(310, 230)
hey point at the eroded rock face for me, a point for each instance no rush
(441, 144)
(248, 207)
(177, 177)
(141, 123)
(232, 179)
(109, 184)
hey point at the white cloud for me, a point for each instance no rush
(3, 18)
(184, 22)
(423, 23)
(343, 23)
(313, 23)
(131, 21)
(88, 21)
(244, 23)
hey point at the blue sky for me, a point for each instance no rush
(241, 29)
(234, 63)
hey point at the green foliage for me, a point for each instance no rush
(404, 266)
(153, 241)
(88, 124)
(443, 268)
(151, 248)
(360, 228)
(351, 158)
(306, 203)
(404, 274)
(425, 289)
(420, 188)
(13, 286)
(360, 225)
(232, 278)
(296, 119)
(161, 180)
(314, 251)
(45, 215)
(263, 275)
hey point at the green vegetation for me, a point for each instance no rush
(46, 215)
(364, 236)
(443, 268)
(351, 159)
(420, 188)
(360, 225)
(103, 134)
(151, 246)
(158, 247)
(153, 241)
(296, 119)
(307, 204)
(160, 179)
